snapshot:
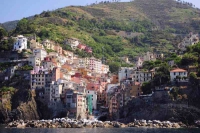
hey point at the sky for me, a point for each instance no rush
(17, 9)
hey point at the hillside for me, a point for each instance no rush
(9, 26)
(123, 29)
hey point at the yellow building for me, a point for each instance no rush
(48, 45)
(136, 89)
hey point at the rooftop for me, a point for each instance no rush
(178, 70)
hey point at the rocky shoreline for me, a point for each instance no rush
(72, 123)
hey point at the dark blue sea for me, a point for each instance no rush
(97, 130)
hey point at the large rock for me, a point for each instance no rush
(175, 125)
(131, 124)
(88, 125)
(101, 125)
(107, 125)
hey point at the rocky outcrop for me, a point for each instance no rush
(25, 111)
(164, 112)
(22, 106)
(72, 123)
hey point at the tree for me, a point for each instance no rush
(7, 45)
(47, 14)
(146, 88)
(25, 26)
(162, 75)
(22, 26)
(2, 33)
(189, 59)
(193, 79)
(178, 78)
(148, 65)
(114, 67)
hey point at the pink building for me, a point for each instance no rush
(81, 46)
(88, 49)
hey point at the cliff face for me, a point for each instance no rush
(25, 111)
(20, 105)
(148, 109)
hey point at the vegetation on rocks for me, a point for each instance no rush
(6, 89)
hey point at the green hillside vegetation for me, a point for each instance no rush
(191, 57)
(148, 25)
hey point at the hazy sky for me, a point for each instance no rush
(17, 9)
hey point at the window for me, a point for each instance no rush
(174, 73)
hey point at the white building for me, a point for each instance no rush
(39, 68)
(55, 91)
(62, 59)
(124, 73)
(105, 69)
(20, 43)
(34, 61)
(149, 57)
(139, 62)
(40, 53)
(68, 54)
(80, 62)
(189, 40)
(53, 54)
(48, 65)
(142, 76)
(178, 73)
(73, 42)
(93, 93)
(67, 76)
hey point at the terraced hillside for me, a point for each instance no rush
(122, 29)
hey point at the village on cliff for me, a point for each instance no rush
(84, 87)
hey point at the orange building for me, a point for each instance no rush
(66, 67)
(83, 71)
(114, 79)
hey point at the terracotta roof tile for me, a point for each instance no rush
(178, 70)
